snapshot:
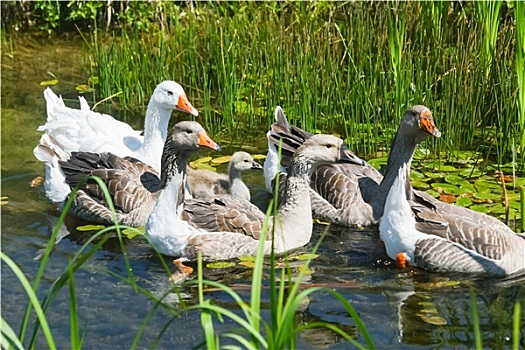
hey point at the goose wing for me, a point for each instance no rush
(474, 231)
(121, 176)
(224, 215)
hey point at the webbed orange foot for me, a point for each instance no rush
(401, 260)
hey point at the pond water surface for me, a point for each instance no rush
(402, 309)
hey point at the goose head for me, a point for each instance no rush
(323, 149)
(189, 137)
(170, 95)
(418, 122)
(242, 161)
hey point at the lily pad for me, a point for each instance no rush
(447, 198)
(419, 185)
(436, 175)
(133, 232)
(247, 258)
(463, 201)
(480, 208)
(470, 172)
(416, 175)
(456, 180)
(49, 82)
(305, 269)
(307, 256)
(221, 160)
(90, 228)
(82, 88)
(467, 189)
(204, 166)
(433, 193)
(249, 264)
(220, 264)
(258, 156)
(446, 188)
(487, 195)
(202, 160)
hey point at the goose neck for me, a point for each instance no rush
(401, 153)
(155, 129)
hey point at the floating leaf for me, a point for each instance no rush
(220, 264)
(202, 160)
(447, 198)
(82, 88)
(247, 258)
(456, 180)
(305, 269)
(416, 175)
(463, 201)
(479, 208)
(221, 160)
(249, 264)
(487, 195)
(258, 156)
(446, 188)
(204, 166)
(49, 82)
(133, 232)
(307, 256)
(4, 200)
(471, 172)
(467, 189)
(90, 227)
(483, 184)
(433, 193)
(435, 175)
(419, 185)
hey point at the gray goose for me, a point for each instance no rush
(70, 130)
(172, 235)
(127, 178)
(421, 231)
(206, 184)
(347, 194)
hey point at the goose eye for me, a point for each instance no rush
(246, 160)
(329, 146)
(189, 132)
(170, 93)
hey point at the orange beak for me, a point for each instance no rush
(426, 123)
(206, 141)
(185, 106)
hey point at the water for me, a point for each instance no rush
(405, 309)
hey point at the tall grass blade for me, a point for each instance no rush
(519, 17)
(73, 317)
(8, 338)
(33, 299)
(475, 319)
(516, 326)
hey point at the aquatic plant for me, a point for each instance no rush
(342, 68)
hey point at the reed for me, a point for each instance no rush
(345, 68)
(519, 16)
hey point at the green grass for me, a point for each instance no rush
(348, 68)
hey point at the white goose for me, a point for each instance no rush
(171, 235)
(348, 194)
(71, 130)
(127, 177)
(421, 231)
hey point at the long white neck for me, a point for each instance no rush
(294, 217)
(155, 131)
